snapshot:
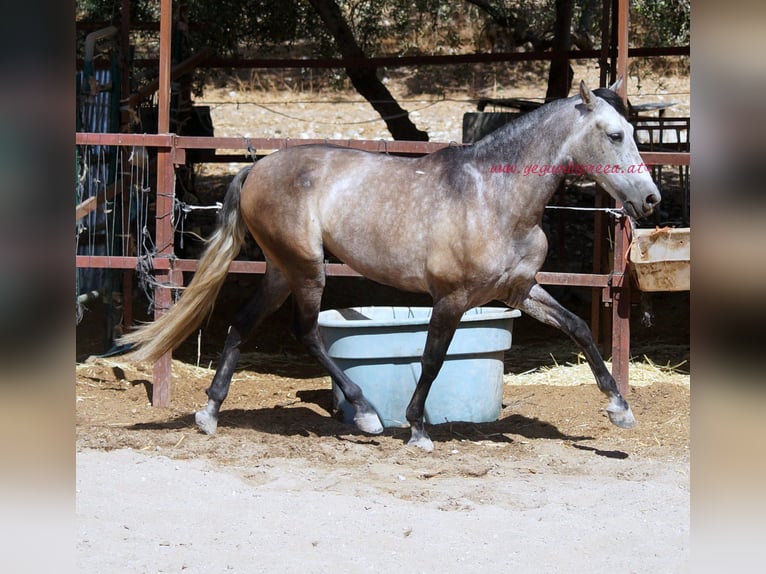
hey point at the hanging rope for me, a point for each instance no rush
(618, 213)
(314, 120)
(188, 208)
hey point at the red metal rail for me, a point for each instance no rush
(172, 149)
(174, 146)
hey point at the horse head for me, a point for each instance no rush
(604, 148)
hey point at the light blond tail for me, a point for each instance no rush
(152, 340)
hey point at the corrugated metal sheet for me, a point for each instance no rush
(96, 165)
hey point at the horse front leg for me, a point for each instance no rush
(540, 305)
(445, 319)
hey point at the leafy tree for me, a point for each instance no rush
(662, 22)
(359, 28)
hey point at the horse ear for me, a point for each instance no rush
(616, 86)
(586, 95)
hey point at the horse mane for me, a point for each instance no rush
(613, 99)
(508, 132)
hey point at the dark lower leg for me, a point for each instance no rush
(416, 415)
(306, 330)
(366, 419)
(540, 305)
(207, 418)
(270, 296)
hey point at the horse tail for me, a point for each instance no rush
(152, 340)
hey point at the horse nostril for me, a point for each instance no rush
(652, 199)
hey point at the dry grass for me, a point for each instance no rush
(643, 373)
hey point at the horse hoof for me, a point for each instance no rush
(622, 418)
(369, 423)
(422, 442)
(206, 422)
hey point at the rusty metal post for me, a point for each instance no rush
(599, 266)
(622, 47)
(621, 287)
(603, 60)
(621, 307)
(127, 274)
(164, 209)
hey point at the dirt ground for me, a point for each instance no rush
(283, 486)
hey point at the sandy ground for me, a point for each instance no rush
(158, 514)
(285, 487)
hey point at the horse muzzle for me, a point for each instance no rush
(644, 209)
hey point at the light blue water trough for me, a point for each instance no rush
(379, 348)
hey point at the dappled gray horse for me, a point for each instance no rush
(445, 223)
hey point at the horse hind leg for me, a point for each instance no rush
(307, 298)
(540, 305)
(272, 292)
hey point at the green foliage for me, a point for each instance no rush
(232, 27)
(662, 22)
(109, 10)
(291, 28)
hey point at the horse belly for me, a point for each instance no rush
(379, 256)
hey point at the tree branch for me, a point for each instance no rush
(365, 80)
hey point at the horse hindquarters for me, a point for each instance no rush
(279, 211)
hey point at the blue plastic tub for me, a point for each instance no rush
(379, 348)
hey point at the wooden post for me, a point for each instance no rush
(621, 288)
(621, 307)
(164, 210)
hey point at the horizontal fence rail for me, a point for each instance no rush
(179, 144)
(210, 61)
(163, 270)
(176, 142)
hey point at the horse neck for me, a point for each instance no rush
(538, 138)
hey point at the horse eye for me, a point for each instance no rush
(615, 137)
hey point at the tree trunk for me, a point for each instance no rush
(560, 75)
(581, 37)
(365, 80)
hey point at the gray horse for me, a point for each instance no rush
(446, 223)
